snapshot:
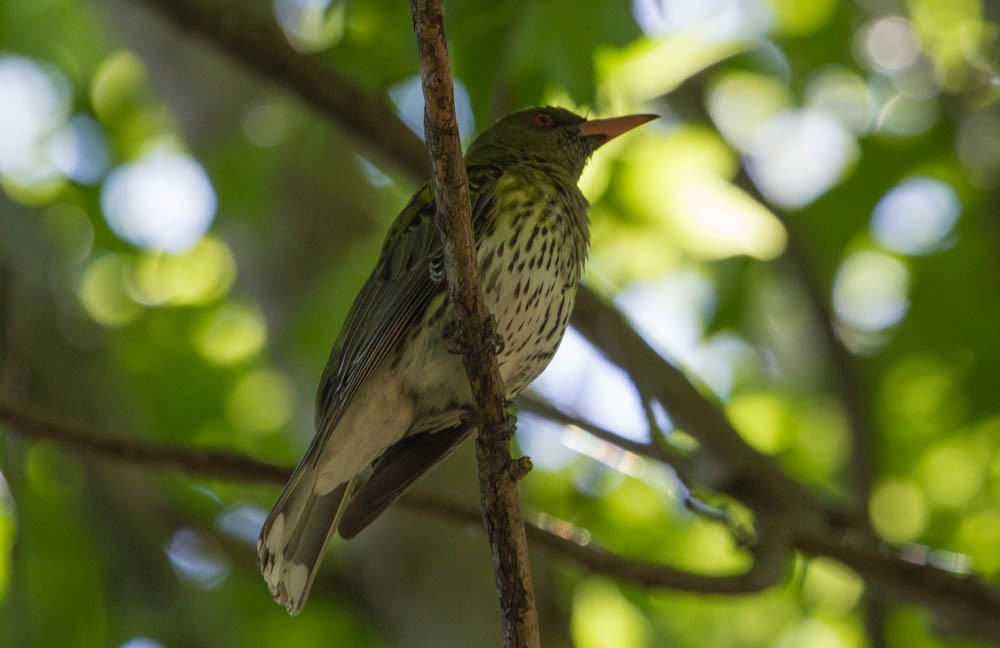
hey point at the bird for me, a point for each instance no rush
(393, 397)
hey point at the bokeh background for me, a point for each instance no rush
(180, 240)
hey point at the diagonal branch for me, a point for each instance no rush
(248, 32)
(741, 471)
(498, 473)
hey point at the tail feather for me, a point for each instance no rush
(394, 472)
(296, 534)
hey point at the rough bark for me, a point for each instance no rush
(498, 473)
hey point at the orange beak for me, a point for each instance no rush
(613, 127)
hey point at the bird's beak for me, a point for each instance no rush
(608, 129)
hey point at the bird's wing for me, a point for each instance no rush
(407, 276)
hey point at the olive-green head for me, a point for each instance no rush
(548, 136)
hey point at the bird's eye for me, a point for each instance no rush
(544, 119)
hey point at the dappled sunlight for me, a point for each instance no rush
(541, 439)
(102, 291)
(672, 313)
(232, 333)
(821, 442)
(843, 95)
(202, 274)
(260, 402)
(676, 183)
(581, 380)
(719, 20)
(831, 587)
(141, 642)
(43, 102)
(798, 155)
(79, 150)
(603, 618)
(808, 233)
(741, 103)
(662, 478)
(163, 201)
(954, 473)
(955, 36)
(902, 116)
(8, 531)
(716, 220)
(871, 291)
(30, 127)
(762, 419)
(916, 216)
(921, 397)
(114, 288)
(409, 101)
(241, 521)
(889, 44)
(197, 559)
(311, 25)
(814, 633)
(683, 38)
(115, 85)
(978, 535)
(978, 145)
(898, 510)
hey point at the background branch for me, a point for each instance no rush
(248, 33)
(497, 474)
(236, 467)
(963, 605)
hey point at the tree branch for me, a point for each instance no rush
(248, 32)
(199, 462)
(740, 471)
(963, 605)
(768, 569)
(498, 473)
(236, 467)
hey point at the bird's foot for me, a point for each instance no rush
(519, 468)
(454, 343)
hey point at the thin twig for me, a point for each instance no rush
(537, 406)
(744, 473)
(684, 466)
(767, 570)
(498, 474)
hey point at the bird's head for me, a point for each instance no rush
(551, 136)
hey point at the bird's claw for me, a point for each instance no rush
(519, 468)
(454, 343)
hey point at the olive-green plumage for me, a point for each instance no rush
(392, 394)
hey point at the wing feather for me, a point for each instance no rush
(394, 297)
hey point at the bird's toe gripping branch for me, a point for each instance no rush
(454, 342)
(520, 467)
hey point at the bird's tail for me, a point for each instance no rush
(296, 534)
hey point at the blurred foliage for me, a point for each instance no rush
(179, 243)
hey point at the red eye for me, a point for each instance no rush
(543, 119)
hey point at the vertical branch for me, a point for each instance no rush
(498, 474)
